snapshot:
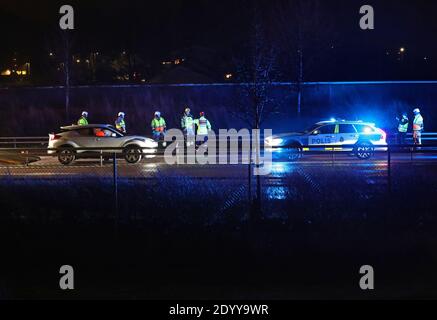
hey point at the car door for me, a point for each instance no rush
(108, 139)
(81, 137)
(324, 135)
(346, 135)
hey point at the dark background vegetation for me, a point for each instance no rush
(133, 38)
(38, 111)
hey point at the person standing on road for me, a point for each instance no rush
(187, 124)
(417, 127)
(402, 128)
(203, 127)
(158, 126)
(120, 123)
(83, 120)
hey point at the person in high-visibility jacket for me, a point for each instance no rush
(187, 124)
(417, 127)
(158, 126)
(402, 128)
(203, 127)
(120, 123)
(83, 120)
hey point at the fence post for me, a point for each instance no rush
(115, 182)
(101, 158)
(332, 156)
(249, 190)
(389, 168)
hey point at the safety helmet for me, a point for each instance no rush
(121, 114)
(416, 111)
(202, 113)
(187, 110)
(85, 114)
(157, 114)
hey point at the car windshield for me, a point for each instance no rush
(113, 129)
(312, 128)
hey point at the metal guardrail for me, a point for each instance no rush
(43, 141)
(23, 141)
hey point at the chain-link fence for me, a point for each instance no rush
(311, 183)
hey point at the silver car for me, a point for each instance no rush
(72, 138)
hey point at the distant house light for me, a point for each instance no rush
(23, 72)
(78, 60)
(167, 62)
(178, 61)
(6, 72)
(51, 54)
(228, 76)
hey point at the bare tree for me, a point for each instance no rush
(59, 51)
(67, 71)
(305, 35)
(255, 72)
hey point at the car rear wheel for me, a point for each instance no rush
(364, 150)
(66, 156)
(132, 154)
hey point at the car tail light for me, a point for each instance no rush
(53, 137)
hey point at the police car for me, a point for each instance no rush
(357, 136)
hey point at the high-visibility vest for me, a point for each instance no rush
(120, 124)
(418, 123)
(203, 125)
(82, 121)
(187, 122)
(403, 127)
(158, 125)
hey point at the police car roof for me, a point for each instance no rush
(346, 122)
(88, 126)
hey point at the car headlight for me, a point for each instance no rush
(273, 142)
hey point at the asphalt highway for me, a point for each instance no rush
(49, 167)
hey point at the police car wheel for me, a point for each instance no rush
(364, 150)
(132, 154)
(295, 154)
(66, 156)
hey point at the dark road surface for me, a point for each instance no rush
(49, 167)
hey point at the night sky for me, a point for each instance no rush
(155, 29)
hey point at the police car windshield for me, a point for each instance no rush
(311, 129)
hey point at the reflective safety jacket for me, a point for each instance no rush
(203, 126)
(82, 121)
(403, 125)
(158, 124)
(187, 122)
(418, 123)
(120, 124)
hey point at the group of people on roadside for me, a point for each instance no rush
(159, 126)
(403, 124)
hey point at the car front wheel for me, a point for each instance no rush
(364, 150)
(132, 154)
(295, 153)
(66, 156)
